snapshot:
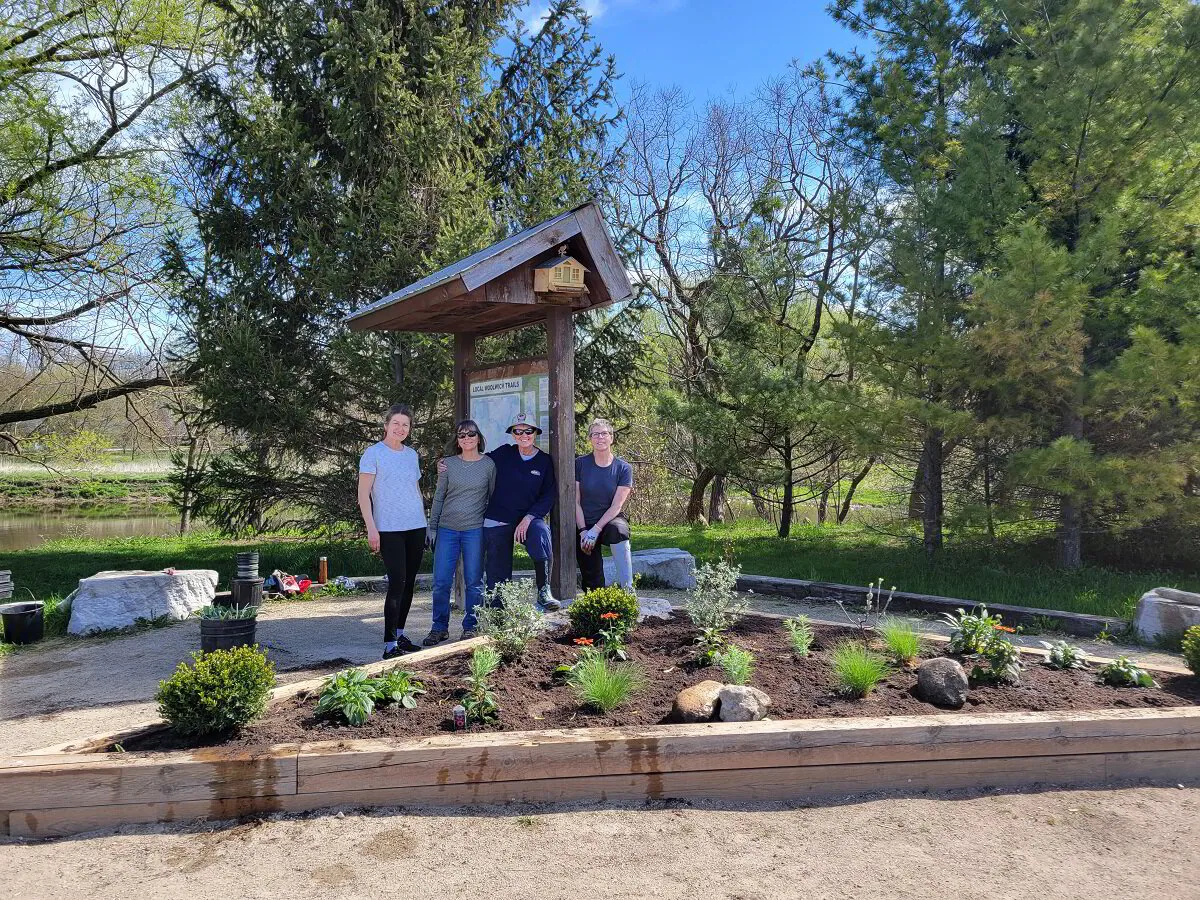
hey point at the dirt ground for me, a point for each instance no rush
(1137, 842)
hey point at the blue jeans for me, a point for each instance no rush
(498, 544)
(450, 545)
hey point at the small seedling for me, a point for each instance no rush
(738, 664)
(800, 633)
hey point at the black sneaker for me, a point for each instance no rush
(404, 645)
(435, 638)
(393, 653)
(469, 633)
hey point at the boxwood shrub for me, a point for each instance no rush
(585, 611)
(219, 692)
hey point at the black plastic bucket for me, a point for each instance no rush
(225, 634)
(24, 623)
(245, 592)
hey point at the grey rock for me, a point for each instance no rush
(118, 599)
(742, 703)
(669, 566)
(653, 608)
(942, 682)
(1165, 613)
(696, 703)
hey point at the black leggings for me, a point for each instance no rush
(401, 552)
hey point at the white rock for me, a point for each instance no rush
(118, 599)
(1166, 612)
(742, 703)
(653, 608)
(671, 566)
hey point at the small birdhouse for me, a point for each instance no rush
(560, 275)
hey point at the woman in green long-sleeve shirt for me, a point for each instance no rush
(456, 527)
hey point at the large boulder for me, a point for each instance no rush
(1165, 613)
(669, 567)
(942, 682)
(742, 703)
(118, 599)
(696, 703)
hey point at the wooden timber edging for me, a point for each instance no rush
(794, 760)
(1077, 624)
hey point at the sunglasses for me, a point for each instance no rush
(522, 431)
(463, 434)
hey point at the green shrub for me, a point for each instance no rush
(971, 632)
(902, 639)
(1124, 672)
(221, 691)
(514, 621)
(737, 664)
(585, 611)
(351, 694)
(714, 603)
(1191, 649)
(601, 684)
(1064, 655)
(800, 633)
(858, 670)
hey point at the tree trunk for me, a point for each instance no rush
(823, 503)
(987, 489)
(854, 483)
(716, 501)
(931, 493)
(1070, 513)
(187, 497)
(785, 514)
(916, 491)
(695, 507)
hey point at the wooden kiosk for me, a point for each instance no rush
(545, 274)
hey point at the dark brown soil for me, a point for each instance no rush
(532, 699)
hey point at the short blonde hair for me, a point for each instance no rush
(607, 424)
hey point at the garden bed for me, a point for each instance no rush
(1050, 730)
(532, 699)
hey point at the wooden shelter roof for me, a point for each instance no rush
(492, 290)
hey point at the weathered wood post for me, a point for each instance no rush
(560, 335)
(464, 359)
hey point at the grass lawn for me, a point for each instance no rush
(1014, 571)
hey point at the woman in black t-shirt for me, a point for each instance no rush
(602, 485)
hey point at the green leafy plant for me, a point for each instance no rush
(480, 702)
(1064, 655)
(602, 684)
(613, 636)
(1191, 649)
(902, 639)
(511, 619)
(971, 632)
(226, 613)
(1003, 662)
(350, 694)
(219, 692)
(800, 633)
(399, 686)
(1124, 672)
(586, 610)
(714, 602)
(737, 664)
(858, 670)
(709, 644)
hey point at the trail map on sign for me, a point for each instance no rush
(495, 403)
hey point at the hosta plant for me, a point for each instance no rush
(1064, 655)
(350, 694)
(1124, 672)
(399, 686)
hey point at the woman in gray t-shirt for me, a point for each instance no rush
(456, 526)
(602, 485)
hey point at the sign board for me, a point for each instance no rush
(495, 402)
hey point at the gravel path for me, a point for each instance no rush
(67, 689)
(1128, 843)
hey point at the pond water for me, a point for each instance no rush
(21, 531)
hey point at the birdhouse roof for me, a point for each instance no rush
(492, 290)
(555, 261)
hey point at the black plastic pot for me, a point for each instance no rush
(24, 623)
(225, 634)
(246, 592)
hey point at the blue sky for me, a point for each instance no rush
(710, 47)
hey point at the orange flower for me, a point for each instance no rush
(584, 642)
(1005, 628)
(610, 615)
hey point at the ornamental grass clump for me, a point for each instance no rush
(602, 684)
(587, 610)
(513, 621)
(902, 639)
(737, 664)
(858, 670)
(800, 633)
(219, 692)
